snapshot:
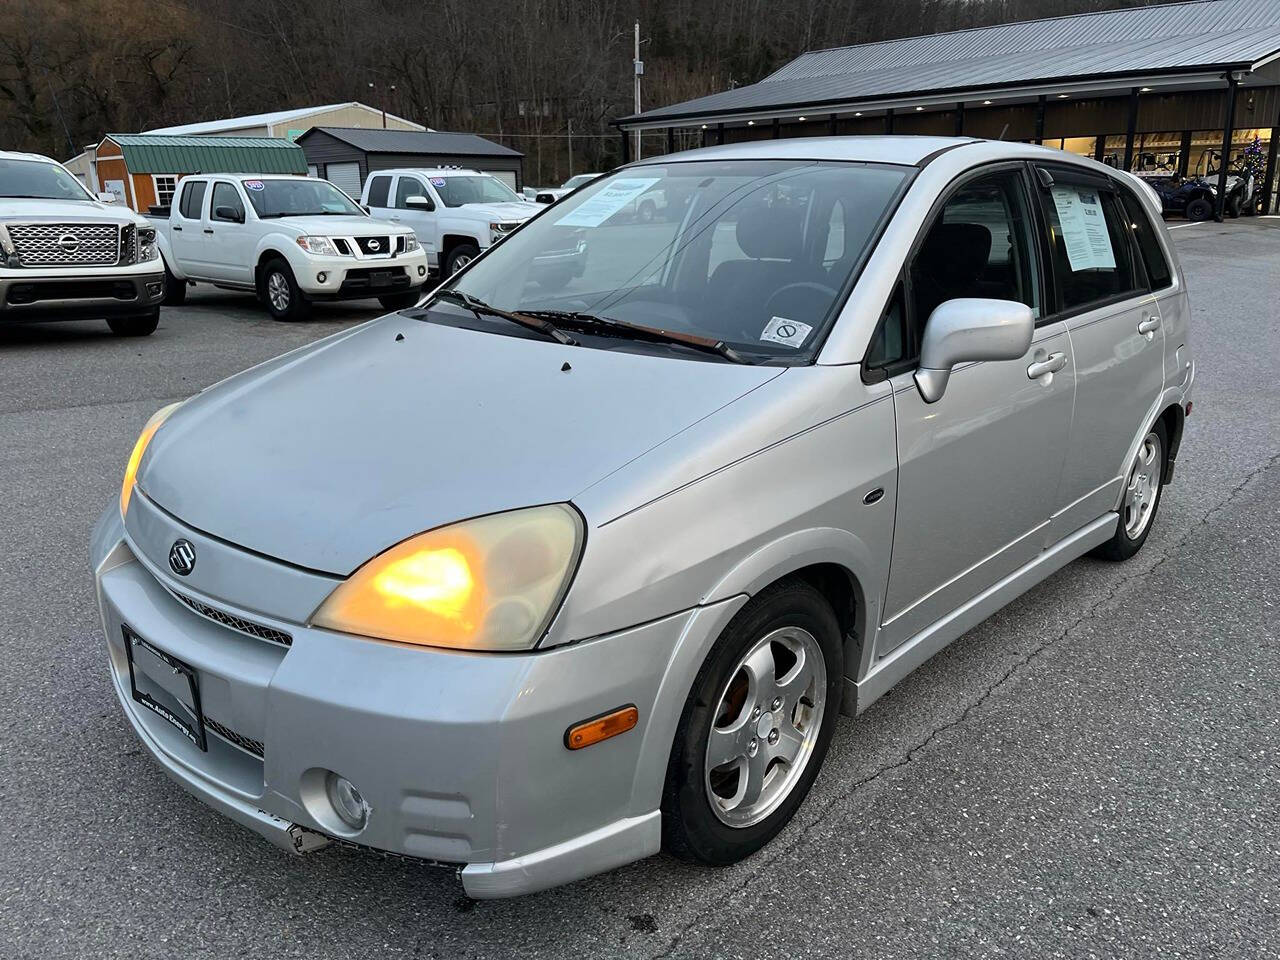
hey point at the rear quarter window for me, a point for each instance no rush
(1148, 244)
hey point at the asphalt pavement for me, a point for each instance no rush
(1092, 772)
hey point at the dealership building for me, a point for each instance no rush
(1158, 89)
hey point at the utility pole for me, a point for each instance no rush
(571, 146)
(639, 69)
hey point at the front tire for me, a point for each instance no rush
(459, 257)
(400, 301)
(280, 292)
(175, 290)
(1199, 209)
(1143, 487)
(755, 728)
(139, 326)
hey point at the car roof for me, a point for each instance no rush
(38, 158)
(434, 171)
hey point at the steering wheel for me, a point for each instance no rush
(820, 297)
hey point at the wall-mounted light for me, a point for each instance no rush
(802, 119)
(986, 103)
(857, 113)
(918, 109)
(751, 123)
(1144, 90)
(1062, 96)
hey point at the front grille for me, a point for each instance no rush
(235, 623)
(247, 744)
(24, 293)
(374, 246)
(66, 244)
(129, 244)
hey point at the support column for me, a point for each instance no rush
(960, 119)
(671, 139)
(832, 128)
(1040, 102)
(1100, 147)
(1228, 132)
(1130, 129)
(888, 121)
(1271, 168)
(626, 147)
(720, 133)
(1184, 153)
(777, 128)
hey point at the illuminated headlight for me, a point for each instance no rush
(139, 448)
(409, 243)
(320, 246)
(147, 249)
(492, 583)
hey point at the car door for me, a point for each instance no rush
(185, 225)
(230, 252)
(1113, 321)
(978, 469)
(421, 219)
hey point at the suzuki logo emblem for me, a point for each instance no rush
(69, 243)
(182, 557)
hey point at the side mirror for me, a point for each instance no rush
(967, 330)
(419, 203)
(104, 197)
(230, 214)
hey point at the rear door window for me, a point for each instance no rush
(192, 199)
(379, 187)
(1144, 234)
(1089, 244)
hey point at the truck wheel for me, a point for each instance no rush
(400, 301)
(175, 290)
(140, 326)
(1199, 209)
(1233, 205)
(647, 212)
(755, 728)
(459, 257)
(279, 291)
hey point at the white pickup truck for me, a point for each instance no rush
(458, 214)
(66, 255)
(291, 239)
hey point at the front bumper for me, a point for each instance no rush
(68, 295)
(460, 756)
(347, 278)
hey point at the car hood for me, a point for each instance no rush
(65, 211)
(327, 456)
(497, 211)
(340, 226)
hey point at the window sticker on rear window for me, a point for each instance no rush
(253, 185)
(616, 195)
(1084, 228)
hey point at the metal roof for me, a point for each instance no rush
(1172, 38)
(230, 124)
(417, 141)
(154, 153)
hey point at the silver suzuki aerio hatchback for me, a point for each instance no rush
(559, 569)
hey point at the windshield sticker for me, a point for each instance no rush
(616, 195)
(1084, 228)
(253, 185)
(790, 333)
(437, 181)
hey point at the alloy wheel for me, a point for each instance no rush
(278, 291)
(1143, 486)
(765, 726)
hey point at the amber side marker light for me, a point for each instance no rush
(603, 727)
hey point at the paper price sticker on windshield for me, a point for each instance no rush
(254, 185)
(790, 333)
(607, 202)
(1084, 228)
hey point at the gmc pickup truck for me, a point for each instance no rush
(290, 239)
(67, 255)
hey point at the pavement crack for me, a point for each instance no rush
(777, 851)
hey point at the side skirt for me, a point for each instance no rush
(885, 673)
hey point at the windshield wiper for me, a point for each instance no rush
(636, 331)
(528, 321)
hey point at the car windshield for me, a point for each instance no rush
(298, 198)
(42, 181)
(756, 255)
(458, 191)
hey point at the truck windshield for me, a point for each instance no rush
(298, 198)
(40, 181)
(458, 191)
(757, 255)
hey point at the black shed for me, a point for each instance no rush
(347, 155)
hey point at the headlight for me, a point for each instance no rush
(147, 249)
(492, 583)
(139, 448)
(320, 246)
(410, 243)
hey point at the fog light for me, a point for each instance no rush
(155, 289)
(346, 800)
(321, 277)
(422, 271)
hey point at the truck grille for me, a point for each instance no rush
(66, 244)
(374, 246)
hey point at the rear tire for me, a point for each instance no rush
(459, 257)
(175, 290)
(1199, 209)
(1143, 488)
(1233, 205)
(140, 326)
(400, 301)
(769, 690)
(280, 292)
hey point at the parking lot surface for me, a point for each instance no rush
(1091, 772)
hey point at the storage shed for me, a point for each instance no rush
(346, 155)
(143, 169)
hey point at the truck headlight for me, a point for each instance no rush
(410, 243)
(319, 246)
(147, 249)
(139, 448)
(492, 583)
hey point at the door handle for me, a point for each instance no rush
(177, 228)
(207, 230)
(1149, 326)
(1051, 364)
